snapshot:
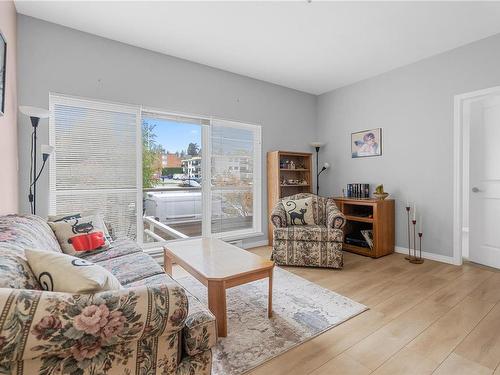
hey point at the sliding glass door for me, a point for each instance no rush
(209, 183)
(235, 178)
(155, 176)
(172, 170)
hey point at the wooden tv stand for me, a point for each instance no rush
(369, 213)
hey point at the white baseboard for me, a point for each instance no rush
(430, 256)
(249, 245)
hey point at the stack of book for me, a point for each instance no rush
(358, 190)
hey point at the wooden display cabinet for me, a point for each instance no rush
(277, 173)
(369, 213)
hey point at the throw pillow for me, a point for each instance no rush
(59, 272)
(108, 229)
(299, 211)
(78, 235)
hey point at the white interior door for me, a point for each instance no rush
(484, 184)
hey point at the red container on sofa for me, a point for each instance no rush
(88, 242)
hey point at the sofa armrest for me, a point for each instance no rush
(278, 216)
(41, 323)
(199, 333)
(334, 217)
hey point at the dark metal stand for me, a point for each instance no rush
(33, 173)
(409, 238)
(415, 259)
(317, 170)
(419, 259)
(414, 222)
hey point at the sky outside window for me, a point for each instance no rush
(175, 136)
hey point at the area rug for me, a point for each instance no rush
(301, 311)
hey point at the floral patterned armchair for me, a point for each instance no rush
(318, 245)
(144, 328)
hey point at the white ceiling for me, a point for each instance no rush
(313, 47)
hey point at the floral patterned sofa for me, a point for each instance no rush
(318, 245)
(145, 328)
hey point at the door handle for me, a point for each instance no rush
(475, 190)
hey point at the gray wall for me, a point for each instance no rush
(414, 107)
(54, 58)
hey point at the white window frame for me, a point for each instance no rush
(256, 229)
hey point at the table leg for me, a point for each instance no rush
(270, 296)
(167, 263)
(217, 304)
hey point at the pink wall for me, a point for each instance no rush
(8, 122)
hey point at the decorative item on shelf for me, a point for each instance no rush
(380, 193)
(285, 164)
(292, 165)
(358, 190)
(294, 182)
(35, 115)
(317, 146)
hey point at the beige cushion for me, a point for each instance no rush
(299, 211)
(78, 235)
(64, 273)
(107, 225)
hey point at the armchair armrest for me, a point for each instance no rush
(40, 323)
(334, 217)
(278, 216)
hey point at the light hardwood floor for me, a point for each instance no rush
(423, 319)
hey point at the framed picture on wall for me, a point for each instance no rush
(366, 143)
(3, 63)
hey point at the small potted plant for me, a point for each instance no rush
(380, 193)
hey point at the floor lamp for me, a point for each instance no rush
(35, 114)
(317, 146)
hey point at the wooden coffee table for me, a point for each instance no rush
(219, 266)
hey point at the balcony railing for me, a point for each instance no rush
(178, 188)
(171, 226)
(152, 226)
(176, 216)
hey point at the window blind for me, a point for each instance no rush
(96, 161)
